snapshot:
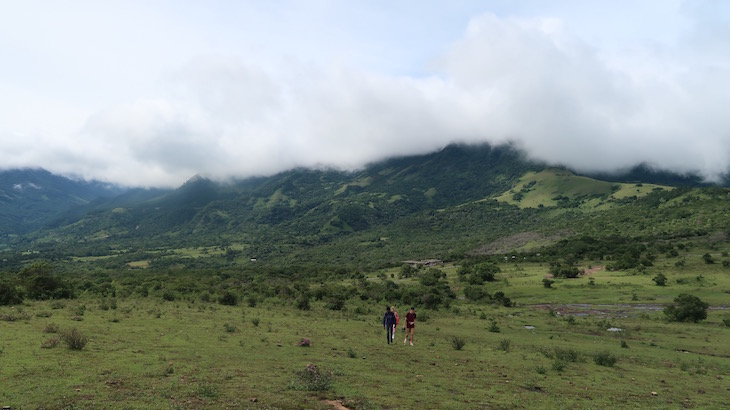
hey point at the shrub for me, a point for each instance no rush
(493, 327)
(9, 294)
(312, 378)
(351, 354)
(687, 308)
(457, 342)
(559, 365)
(51, 328)
(548, 283)
(74, 339)
(624, 344)
(504, 345)
(303, 303)
(605, 359)
(228, 299)
(475, 292)
(708, 258)
(660, 279)
(255, 321)
(50, 343)
(567, 355)
(230, 328)
(726, 322)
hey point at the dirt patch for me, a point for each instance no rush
(336, 404)
(518, 241)
(592, 270)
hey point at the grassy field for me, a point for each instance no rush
(553, 350)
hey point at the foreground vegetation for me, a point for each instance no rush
(600, 340)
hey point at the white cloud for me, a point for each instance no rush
(566, 91)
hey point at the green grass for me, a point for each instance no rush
(148, 353)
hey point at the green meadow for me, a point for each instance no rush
(597, 341)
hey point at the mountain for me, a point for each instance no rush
(32, 198)
(461, 200)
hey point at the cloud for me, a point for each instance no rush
(531, 80)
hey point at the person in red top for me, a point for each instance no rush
(410, 325)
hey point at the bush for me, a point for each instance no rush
(605, 359)
(255, 321)
(51, 328)
(567, 355)
(9, 294)
(547, 283)
(475, 292)
(660, 279)
(457, 342)
(687, 308)
(228, 299)
(493, 327)
(74, 339)
(51, 342)
(312, 378)
(303, 303)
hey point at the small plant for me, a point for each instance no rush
(51, 342)
(57, 304)
(504, 345)
(251, 300)
(559, 365)
(605, 359)
(255, 321)
(567, 355)
(624, 345)
(726, 322)
(51, 328)
(457, 342)
(570, 319)
(44, 314)
(74, 339)
(541, 370)
(547, 283)
(79, 310)
(351, 354)
(206, 390)
(312, 378)
(493, 327)
(483, 316)
(230, 328)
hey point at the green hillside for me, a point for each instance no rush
(462, 201)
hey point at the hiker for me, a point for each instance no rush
(410, 324)
(397, 319)
(389, 323)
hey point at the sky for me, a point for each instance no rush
(150, 93)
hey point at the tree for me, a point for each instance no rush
(687, 308)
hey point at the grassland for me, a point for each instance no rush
(542, 353)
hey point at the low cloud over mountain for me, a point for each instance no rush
(642, 85)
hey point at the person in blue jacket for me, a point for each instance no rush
(389, 323)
